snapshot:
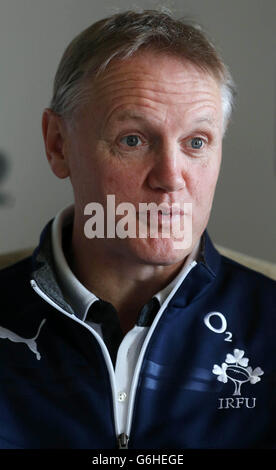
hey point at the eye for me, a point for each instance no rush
(131, 140)
(197, 143)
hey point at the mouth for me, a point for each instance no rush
(162, 217)
(168, 212)
(172, 211)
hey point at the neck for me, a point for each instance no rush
(126, 284)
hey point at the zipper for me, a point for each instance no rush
(123, 441)
(144, 347)
(123, 438)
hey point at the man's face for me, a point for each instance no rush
(152, 132)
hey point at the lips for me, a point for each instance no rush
(174, 210)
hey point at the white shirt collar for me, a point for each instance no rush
(74, 291)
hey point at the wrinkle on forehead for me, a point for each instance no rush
(127, 114)
(149, 64)
(122, 108)
(128, 79)
(123, 83)
(157, 87)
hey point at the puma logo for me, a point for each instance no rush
(31, 342)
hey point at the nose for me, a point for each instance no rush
(167, 172)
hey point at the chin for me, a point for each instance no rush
(159, 252)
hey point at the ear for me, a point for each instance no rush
(54, 134)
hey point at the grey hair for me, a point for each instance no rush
(120, 36)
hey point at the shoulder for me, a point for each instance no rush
(237, 268)
(16, 271)
(247, 281)
(15, 283)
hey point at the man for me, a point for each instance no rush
(137, 341)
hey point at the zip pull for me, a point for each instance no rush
(123, 441)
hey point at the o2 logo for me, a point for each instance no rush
(221, 328)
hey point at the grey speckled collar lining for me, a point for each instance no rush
(44, 270)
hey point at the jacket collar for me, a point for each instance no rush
(200, 277)
(209, 256)
(43, 269)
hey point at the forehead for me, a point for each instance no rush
(154, 83)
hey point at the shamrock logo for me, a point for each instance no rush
(236, 369)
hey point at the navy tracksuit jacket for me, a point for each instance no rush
(207, 378)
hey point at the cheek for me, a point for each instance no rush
(123, 182)
(115, 175)
(204, 185)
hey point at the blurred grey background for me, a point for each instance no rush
(33, 36)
